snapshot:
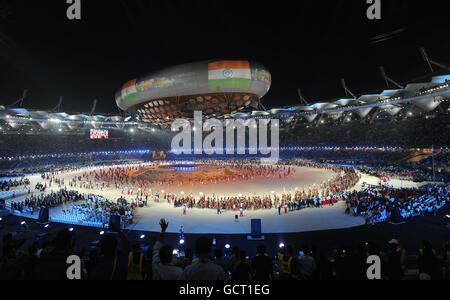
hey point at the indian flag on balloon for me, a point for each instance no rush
(229, 74)
(130, 92)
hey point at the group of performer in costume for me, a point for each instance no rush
(121, 179)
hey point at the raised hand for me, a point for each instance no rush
(163, 225)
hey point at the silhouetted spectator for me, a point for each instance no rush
(204, 269)
(262, 265)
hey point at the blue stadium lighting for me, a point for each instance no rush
(182, 242)
(72, 154)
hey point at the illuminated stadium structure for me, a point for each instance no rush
(226, 89)
(418, 98)
(217, 88)
(200, 141)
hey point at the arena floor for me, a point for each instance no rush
(207, 221)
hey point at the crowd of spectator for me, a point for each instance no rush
(383, 203)
(41, 143)
(413, 132)
(118, 258)
(96, 211)
(51, 163)
(6, 185)
(33, 203)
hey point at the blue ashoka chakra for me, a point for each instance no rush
(228, 73)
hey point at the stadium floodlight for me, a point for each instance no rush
(23, 223)
(281, 245)
(142, 236)
(71, 229)
(227, 246)
(181, 241)
(102, 232)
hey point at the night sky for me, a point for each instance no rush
(310, 44)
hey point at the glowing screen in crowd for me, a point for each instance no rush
(97, 134)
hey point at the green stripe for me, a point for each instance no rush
(230, 83)
(132, 97)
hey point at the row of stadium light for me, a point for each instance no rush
(386, 101)
(53, 155)
(305, 148)
(60, 121)
(298, 148)
(355, 148)
(389, 100)
(434, 89)
(428, 91)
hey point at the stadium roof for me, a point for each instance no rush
(425, 96)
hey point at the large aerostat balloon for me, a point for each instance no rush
(215, 87)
